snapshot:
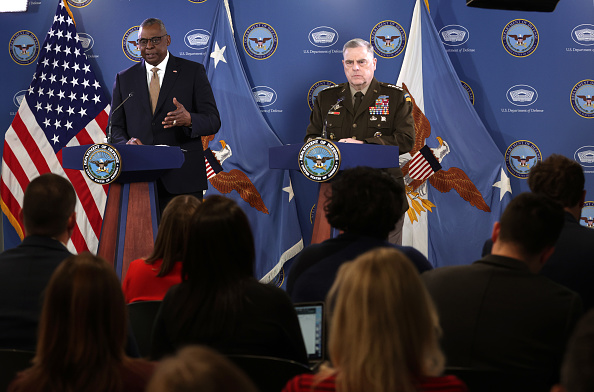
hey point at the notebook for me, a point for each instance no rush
(311, 321)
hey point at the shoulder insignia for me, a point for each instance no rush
(391, 86)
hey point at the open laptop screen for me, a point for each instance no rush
(311, 320)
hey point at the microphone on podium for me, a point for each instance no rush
(108, 137)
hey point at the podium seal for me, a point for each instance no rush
(319, 160)
(102, 163)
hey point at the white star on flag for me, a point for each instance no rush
(504, 185)
(217, 54)
(289, 190)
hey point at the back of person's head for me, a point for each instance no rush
(558, 177)
(532, 222)
(220, 245)
(48, 203)
(365, 201)
(82, 330)
(173, 232)
(198, 368)
(384, 326)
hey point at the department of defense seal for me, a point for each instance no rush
(315, 89)
(130, 44)
(102, 163)
(260, 41)
(319, 160)
(520, 156)
(23, 47)
(79, 3)
(468, 89)
(388, 39)
(581, 98)
(520, 38)
(587, 215)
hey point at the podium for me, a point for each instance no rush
(351, 155)
(130, 219)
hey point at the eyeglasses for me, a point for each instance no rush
(362, 63)
(155, 40)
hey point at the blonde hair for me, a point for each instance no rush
(384, 327)
(199, 368)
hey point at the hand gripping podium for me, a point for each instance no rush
(130, 220)
(351, 155)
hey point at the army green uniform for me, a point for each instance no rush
(396, 128)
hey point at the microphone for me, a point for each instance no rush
(108, 138)
(332, 108)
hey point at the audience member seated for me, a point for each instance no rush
(149, 280)
(82, 334)
(198, 368)
(49, 218)
(383, 331)
(365, 204)
(572, 263)
(499, 313)
(219, 302)
(578, 363)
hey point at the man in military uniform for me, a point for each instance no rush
(364, 110)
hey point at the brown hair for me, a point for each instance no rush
(198, 368)
(173, 232)
(381, 308)
(82, 330)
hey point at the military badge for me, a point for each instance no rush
(102, 163)
(319, 160)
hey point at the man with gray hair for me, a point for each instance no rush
(364, 110)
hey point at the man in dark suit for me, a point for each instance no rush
(49, 218)
(572, 263)
(499, 313)
(364, 110)
(169, 101)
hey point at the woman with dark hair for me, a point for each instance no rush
(384, 331)
(149, 280)
(219, 302)
(82, 334)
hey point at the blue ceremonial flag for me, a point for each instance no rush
(452, 211)
(237, 156)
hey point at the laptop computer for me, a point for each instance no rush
(311, 321)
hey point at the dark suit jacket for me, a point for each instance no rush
(315, 268)
(495, 313)
(572, 263)
(186, 81)
(24, 273)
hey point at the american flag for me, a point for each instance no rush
(64, 106)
